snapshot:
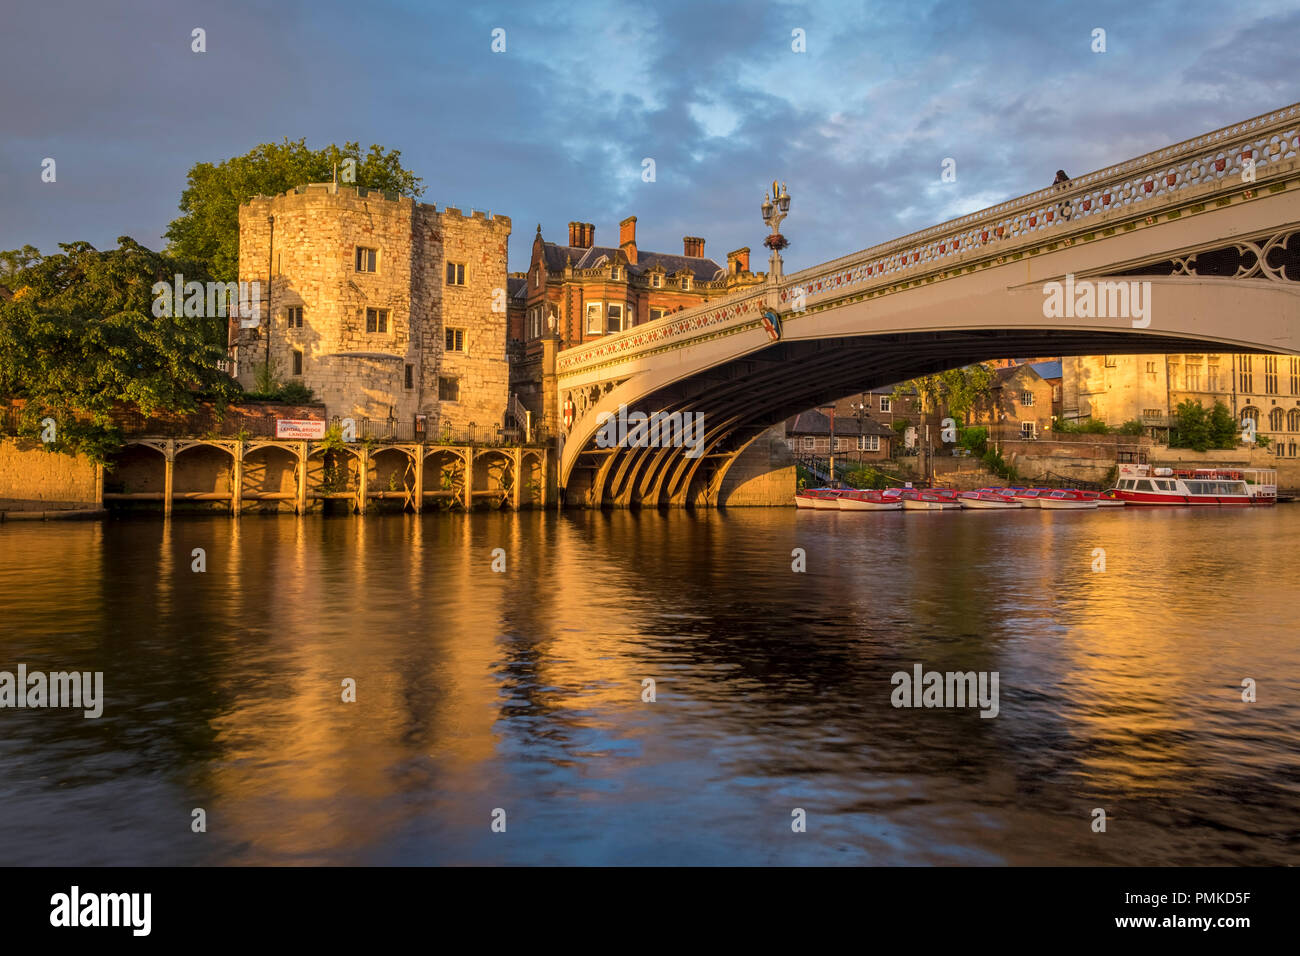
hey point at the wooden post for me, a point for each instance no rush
(469, 478)
(363, 480)
(519, 477)
(303, 455)
(419, 479)
(237, 492)
(168, 474)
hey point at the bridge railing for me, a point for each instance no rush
(1215, 157)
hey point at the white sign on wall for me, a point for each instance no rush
(299, 428)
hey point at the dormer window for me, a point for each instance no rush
(656, 281)
(613, 273)
(686, 283)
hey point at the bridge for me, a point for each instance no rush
(1212, 224)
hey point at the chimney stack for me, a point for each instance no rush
(627, 238)
(575, 233)
(738, 261)
(693, 247)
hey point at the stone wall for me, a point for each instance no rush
(763, 475)
(34, 479)
(356, 370)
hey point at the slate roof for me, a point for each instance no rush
(1047, 369)
(702, 268)
(516, 286)
(815, 423)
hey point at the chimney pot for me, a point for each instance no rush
(575, 233)
(693, 247)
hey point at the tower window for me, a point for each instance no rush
(367, 259)
(376, 320)
(455, 273)
(455, 340)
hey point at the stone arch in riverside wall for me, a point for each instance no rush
(333, 475)
(532, 478)
(391, 478)
(202, 476)
(494, 477)
(137, 469)
(444, 477)
(270, 477)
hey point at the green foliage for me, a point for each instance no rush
(14, 261)
(1200, 430)
(1224, 430)
(296, 393)
(1132, 427)
(957, 390)
(1263, 441)
(995, 463)
(869, 478)
(802, 477)
(1090, 426)
(974, 438)
(79, 340)
(207, 230)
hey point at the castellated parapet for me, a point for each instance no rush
(400, 310)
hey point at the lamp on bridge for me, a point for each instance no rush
(774, 208)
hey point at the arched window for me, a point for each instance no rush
(1293, 420)
(1251, 413)
(1275, 418)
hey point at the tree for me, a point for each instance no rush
(79, 340)
(207, 232)
(1191, 428)
(14, 261)
(1224, 430)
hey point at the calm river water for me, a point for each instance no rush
(522, 690)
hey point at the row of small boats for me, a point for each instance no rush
(948, 499)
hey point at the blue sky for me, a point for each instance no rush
(556, 127)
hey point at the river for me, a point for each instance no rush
(516, 695)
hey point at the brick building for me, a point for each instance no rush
(386, 308)
(856, 438)
(1018, 405)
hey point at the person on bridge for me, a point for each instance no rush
(1061, 180)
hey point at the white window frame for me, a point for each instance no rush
(596, 310)
(374, 259)
(809, 443)
(868, 443)
(611, 314)
(656, 281)
(886, 403)
(1027, 399)
(686, 283)
(1033, 430)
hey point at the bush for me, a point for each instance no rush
(975, 439)
(995, 463)
(1131, 427)
(868, 478)
(296, 393)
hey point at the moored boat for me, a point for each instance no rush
(865, 500)
(927, 500)
(988, 499)
(822, 499)
(1141, 485)
(1065, 499)
(1028, 497)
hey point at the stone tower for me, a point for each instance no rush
(388, 309)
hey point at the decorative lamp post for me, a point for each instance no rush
(861, 408)
(775, 208)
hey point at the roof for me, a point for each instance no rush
(701, 267)
(1002, 375)
(1047, 369)
(516, 286)
(813, 422)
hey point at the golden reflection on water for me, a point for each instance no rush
(523, 689)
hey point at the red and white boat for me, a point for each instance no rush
(822, 499)
(1028, 497)
(867, 500)
(1066, 499)
(988, 498)
(929, 500)
(1240, 487)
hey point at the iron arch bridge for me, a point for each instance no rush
(1193, 244)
